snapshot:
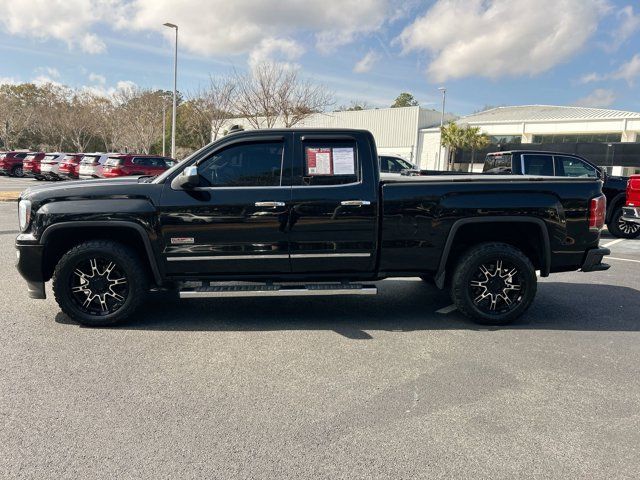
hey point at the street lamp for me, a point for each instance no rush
(444, 98)
(175, 84)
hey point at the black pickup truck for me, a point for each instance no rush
(303, 212)
(527, 162)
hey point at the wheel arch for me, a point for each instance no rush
(58, 238)
(617, 201)
(535, 223)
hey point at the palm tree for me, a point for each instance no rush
(454, 138)
(475, 140)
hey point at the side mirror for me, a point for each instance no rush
(187, 179)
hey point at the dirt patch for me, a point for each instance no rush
(9, 196)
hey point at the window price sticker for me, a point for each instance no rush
(319, 161)
(330, 161)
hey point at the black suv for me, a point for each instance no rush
(553, 164)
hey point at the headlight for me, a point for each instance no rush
(24, 214)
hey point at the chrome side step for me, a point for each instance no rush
(278, 290)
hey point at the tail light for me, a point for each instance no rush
(633, 191)
(597, 212)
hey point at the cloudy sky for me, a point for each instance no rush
(486, 52)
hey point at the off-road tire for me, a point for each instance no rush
(468, 266)
(615, 229)
(126, 260)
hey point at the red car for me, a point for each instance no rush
(11, 163)
(69, 166)
(128, 164)
(31, 165)
(631, 212)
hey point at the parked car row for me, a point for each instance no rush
(71, 166)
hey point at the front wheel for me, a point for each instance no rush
(17, 171)
(621, 229)
(493, 283)
(99, 283)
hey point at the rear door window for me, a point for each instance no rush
(330, 162)
(536, 164)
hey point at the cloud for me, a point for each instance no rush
(367, 62)
(590, 77)
(276, 50)
(90, 43)
(493, 38)
(628, 71)
(600, 97)
(97, 78)
(629, 24)
(107, 92)
(220, 27)
(48, 71)
(66, 20)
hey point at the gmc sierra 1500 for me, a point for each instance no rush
(303, 212)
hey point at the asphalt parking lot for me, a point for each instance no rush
(380, 387)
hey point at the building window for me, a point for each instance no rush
(578, 138)
(503, 139)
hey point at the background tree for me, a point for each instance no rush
(211, 107)
(475, 140)
(454, 139)
(17, 113)
(271, 93)
(405, 100)
(141, 113)
(354, 106)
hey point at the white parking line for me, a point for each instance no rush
(449, 309)
(622, 259)
(613, 243)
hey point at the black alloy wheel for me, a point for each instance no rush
(99, 286)
(100, 282)
(493, 283)
(622, 229)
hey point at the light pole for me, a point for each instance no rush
(164, 128)
(444, 99)
(175, 84)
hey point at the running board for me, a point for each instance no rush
(279, 290)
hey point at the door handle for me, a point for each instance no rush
(355, 203)
(269, 204)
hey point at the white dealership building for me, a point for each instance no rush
(414, 133)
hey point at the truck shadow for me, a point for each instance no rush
(401, 306)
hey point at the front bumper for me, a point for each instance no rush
(29, 265)
(631, 214)
(593, 260)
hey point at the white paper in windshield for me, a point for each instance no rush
(343, 161)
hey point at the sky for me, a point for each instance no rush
(485, 52)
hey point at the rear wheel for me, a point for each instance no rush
(621, 229)
(17, 171)
(99, 283)
(493, 283)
